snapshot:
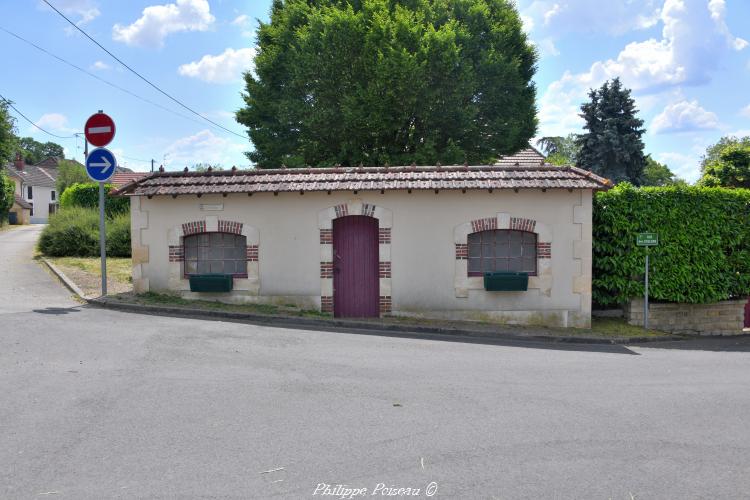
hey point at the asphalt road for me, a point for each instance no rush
(102, 404)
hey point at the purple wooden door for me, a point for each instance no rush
(356, 282)
(747, 314)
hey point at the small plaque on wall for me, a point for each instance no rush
(212, 207)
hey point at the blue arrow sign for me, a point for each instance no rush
(100, 164)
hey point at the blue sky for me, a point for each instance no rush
(687, 61)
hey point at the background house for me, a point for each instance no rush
(35, 189)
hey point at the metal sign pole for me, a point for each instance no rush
(645, 301)
(102, 239)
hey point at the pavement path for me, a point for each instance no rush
(105, 404)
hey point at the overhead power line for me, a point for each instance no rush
(34, 124)
(139, 75)
(92, 75)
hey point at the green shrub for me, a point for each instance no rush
(118, 236)
(74, 232)
(87, 196)
(704, 244)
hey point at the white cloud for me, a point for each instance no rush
(226, 67)
(52, 122)
(100, 65)
(205, 147)
(594, 16)
(685, 166)
(694, 39)
(684, 116)
(241, 20)
(85, 10)
(158, 21)
(745, 111)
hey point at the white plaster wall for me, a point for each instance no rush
(41, 200)
(423, 251)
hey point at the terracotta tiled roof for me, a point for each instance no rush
(22, 203)
(365, 179)
(530, 156)
(122, 178)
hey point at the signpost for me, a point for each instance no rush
(646, 240)
(100, 165)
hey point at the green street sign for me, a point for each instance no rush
(647, 240)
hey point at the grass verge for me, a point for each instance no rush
(86, 273)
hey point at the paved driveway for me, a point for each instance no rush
(101, 404)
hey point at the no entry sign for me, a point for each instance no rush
(99, 129)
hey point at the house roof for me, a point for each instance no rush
(516, 176)
(22, 203)
(33, 175)
(530, 156)
(122, 178)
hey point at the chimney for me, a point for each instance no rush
(19, 162)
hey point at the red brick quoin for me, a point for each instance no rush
(385, 304)
(252, 253)
(544, 250)
(520, 224)
(176, 253)
(385, 269)
(326, 236)
(326, 269)
(326, 304)
(462, 251)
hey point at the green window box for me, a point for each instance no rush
(211, 283)
(503, 281)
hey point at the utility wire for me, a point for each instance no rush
(92, 75)
(34, 124)
(139, 75)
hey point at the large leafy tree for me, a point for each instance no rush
(389, 81)
(35, 151)
(70, 172)
(727, 163)
(612, 145)
(559, 150)
(659, 174)
(8, 138)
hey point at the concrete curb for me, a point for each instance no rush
(366, 326)
(69, 284)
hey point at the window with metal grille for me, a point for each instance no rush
(216, 253)
(502, 250)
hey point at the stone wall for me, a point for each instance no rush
(720, 318)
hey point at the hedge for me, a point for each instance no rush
(74, 232)
(704, 244)
(87, 196)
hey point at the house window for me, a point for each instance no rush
(502, 250)
(52, 195)
(216, 253)
(29, 193)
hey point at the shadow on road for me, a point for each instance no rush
(56, 310)
(498, 341)
(718, 344)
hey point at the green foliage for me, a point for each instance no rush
(87, 196)
(727, 163)
(389, 81)
(704, 244)
(7, 195)
(612, 146)
(35, 151)
(8, 140)
(560, 150)
(70, 172)
(118, 236)
(658, 174)
(74, 232)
